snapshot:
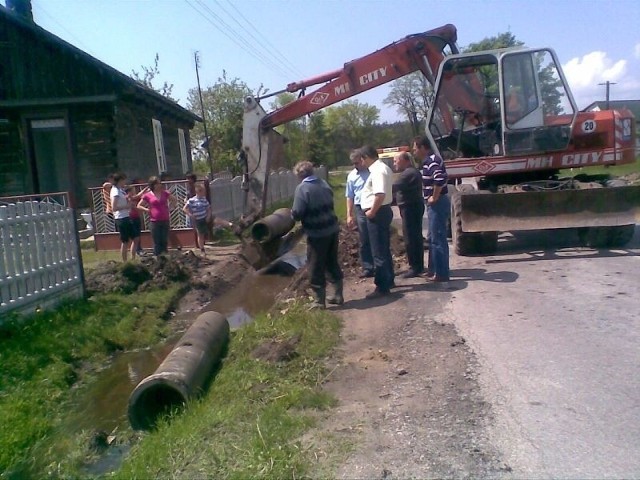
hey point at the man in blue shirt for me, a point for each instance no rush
(355, 215)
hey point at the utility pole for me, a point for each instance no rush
(204, 119)
(607, 83)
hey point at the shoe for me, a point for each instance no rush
(437, 279)
(430, 275)
(410, 274)
(377, 293)
(367, 274)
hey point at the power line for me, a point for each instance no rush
(223, 27)
(263, 40)
(77, 41)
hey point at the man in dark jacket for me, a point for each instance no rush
(313, 206)
(407, 189)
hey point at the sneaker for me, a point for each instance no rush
(367, 274)
(377, 293)
(430, 275)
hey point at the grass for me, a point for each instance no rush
(250, 422)
(338, 182)
(45, 355)
(613, 171)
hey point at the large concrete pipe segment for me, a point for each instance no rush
(183, 374)
(273, 226)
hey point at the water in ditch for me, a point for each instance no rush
(103, 408)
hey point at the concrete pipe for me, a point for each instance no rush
(183, 374)
(273, 226)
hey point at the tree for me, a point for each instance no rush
(502, 40)
(319, 146)
(150, 73)
(223, 111)
(350, 124)
(412, 95)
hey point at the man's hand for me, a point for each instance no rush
(351, 223)
(369, 214)
(431, 200)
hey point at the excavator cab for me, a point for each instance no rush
(501, 103)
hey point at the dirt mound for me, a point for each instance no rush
(148, 272)
(203, 277)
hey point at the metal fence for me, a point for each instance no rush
(40, 261)
(227, 199)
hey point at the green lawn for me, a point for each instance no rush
(250, 423)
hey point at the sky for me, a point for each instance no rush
(276, 42)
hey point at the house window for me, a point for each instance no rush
(183, 150)
(157, 137)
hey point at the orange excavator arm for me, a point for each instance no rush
(422, 51)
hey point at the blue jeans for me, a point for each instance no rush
(366, 257)
(438, 215)
(379, 236)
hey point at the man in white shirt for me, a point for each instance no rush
(376, 203)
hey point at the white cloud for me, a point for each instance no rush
(585, 73)
(636, 50)
(593, 68)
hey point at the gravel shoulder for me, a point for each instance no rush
(409, 402)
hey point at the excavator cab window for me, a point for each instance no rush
(538, 110)
(500, 102)
(465, 120)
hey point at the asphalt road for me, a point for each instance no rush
(556, 329)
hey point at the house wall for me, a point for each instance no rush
(136, 144)
(13, 167)
(107, 116)
(93, 137)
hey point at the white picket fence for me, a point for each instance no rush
(40, 261)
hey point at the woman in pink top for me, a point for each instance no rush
(156, 204)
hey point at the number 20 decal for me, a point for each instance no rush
(589, 126)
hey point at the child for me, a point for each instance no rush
(198, 209)
(134, 215)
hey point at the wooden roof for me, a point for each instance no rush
(129, 85)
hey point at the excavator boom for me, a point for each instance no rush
(422, 51)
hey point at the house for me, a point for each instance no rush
(67, 120)
(632, 105)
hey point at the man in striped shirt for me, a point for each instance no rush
(434, 189)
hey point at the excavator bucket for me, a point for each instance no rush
(591, 207)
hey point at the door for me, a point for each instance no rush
(49, 162)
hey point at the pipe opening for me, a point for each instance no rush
(151, 403)
(260, 232)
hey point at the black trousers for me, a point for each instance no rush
(322, 260)
(412, 214)
(160, 236)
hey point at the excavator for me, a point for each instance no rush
(507, 126)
